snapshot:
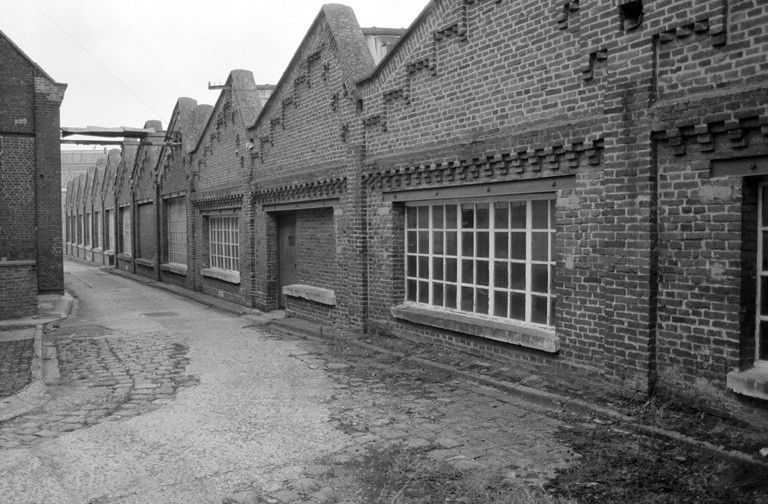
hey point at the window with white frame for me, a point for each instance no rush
(97, 231)
(125, 219)
(487, 257)
(176, 225)
(761, 336)
(109, 238)
(223, 243)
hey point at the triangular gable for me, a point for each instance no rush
(354, 56)
(31, 62)
(243, 94)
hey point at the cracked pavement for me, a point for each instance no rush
(164, 400)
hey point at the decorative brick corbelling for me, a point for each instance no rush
(704, 134)
(218, 201)
(569, 156)
(320, 189)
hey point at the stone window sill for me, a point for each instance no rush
(149, 263)
(232, 277)
(98, 250)
(538, 338)
(109, 252)
(317, 294)
(752, 382)
(124, 256)
(179, 269)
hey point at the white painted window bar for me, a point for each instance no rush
(224, 243)
(489, 257)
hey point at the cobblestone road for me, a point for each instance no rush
(164, 401)
(15, 365)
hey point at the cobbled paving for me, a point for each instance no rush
(15, 366)
(383, 403)
(105, 376)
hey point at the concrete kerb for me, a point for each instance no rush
(548, 400)
(35, 394)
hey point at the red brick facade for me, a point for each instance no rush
(642, 125)
(30, 182)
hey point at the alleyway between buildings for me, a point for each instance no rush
(163, 400)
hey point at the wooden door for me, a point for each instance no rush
(286, 253)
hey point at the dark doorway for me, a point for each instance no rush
(286, 231)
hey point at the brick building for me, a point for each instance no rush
(584, 197)
(30, 186)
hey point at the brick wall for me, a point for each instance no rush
(18, 289)
(17, 197)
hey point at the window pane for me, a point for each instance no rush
(450, 296)
(467, 298)
(423, 242)
(437, 217)
(437, 294)
(411, 295)
(764, 295)
(517, 277)
(423, 267)
(551, 214)
(482, 244)
(412, 241)
(468, 216)
(540, 211)
(467, 271)
(501, 215)
(437, 242)
(450, 243)
(423, 292)
(765, 206)
(482, 216)
(518, 246)
(517, 209)
(517, 306)
(410, 217)
(450, 269)
(411, 271)
(539, 277)
(482, 273)
(539, 309)
(500, 274)
(450, 217)
(468, 243)
(762, 343)
(501, 245)
(765, 250)
(500, 303)
(539, 246)
(423, 217)
(482, 301)
(437, 268)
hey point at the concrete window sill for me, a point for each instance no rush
(538, 338)
(317, 294)
(127, 257)
(109, 252)
(98, 250)
(179, 269)
(752, 382)
(149, 263)
(232, 277)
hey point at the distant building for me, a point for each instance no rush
(30, 182)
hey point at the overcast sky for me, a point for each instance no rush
(126, 62)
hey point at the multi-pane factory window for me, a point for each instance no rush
(109, 238)
(223, 243)
(127, 234)
(176, 225)
(97, 230)
(489, 257)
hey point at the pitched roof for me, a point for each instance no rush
(355, 59)
(30, 60)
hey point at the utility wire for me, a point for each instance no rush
(97, 60)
